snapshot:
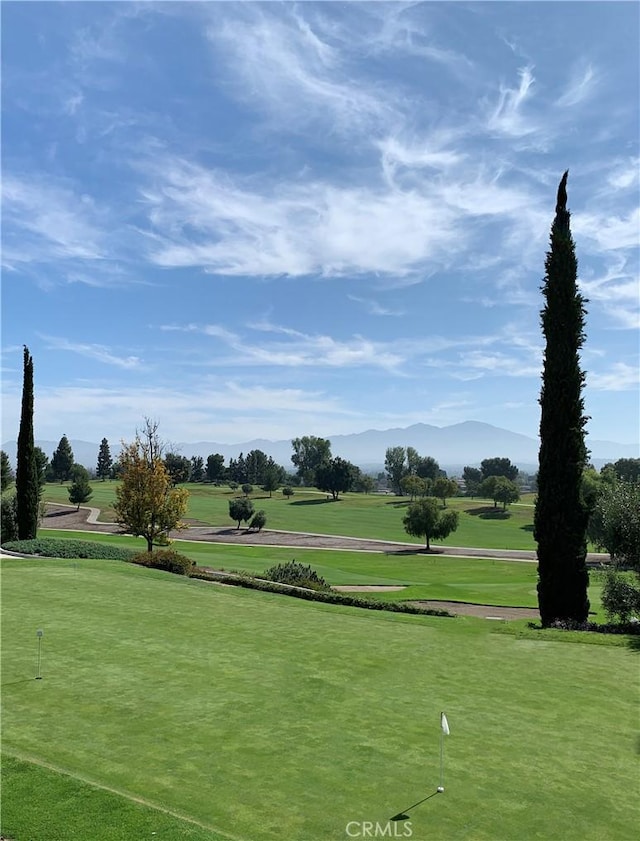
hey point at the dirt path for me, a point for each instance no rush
(484, 611)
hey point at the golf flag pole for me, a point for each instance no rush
(444, 731)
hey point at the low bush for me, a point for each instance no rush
(620, 597)
(50, 547)
(166, 559)
(297, 575)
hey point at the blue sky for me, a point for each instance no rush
(271, 219)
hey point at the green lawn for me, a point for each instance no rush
(66, 808)
(355, 515)
(479, 580)
(263, 718)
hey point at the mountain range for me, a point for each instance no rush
(453, 447)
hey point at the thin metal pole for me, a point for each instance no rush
(38, 675)
(441, 758)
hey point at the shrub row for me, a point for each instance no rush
(632, 628)
(318, 595)
(50, 547)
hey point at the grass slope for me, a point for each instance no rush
(483, 581)
(268, 718)
(355, 515)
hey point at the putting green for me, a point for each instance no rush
(268, 718)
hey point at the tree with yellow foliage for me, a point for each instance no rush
(147, 504)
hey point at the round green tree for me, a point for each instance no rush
(425, 518)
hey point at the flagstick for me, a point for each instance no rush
(444, 731)
(441, 786)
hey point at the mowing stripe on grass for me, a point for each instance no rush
(120, 792)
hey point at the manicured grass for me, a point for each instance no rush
(65, 807)
(103, 497)
(429, 576)
(355, 515)
(478, 580)
(269, 718)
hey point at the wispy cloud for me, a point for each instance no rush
(499, 364)
(298, 349)
(507, 116)
(47, 221)
(609, 232)
(92, 351)
(620, 377)
(579, 88)
(402, 29)
(617, 290)
(227, 411)
(290, 228)
(625, 175)
(432, 152)
(510, 352)
(279, 60)
(374, 308)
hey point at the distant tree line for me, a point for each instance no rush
(317, 467)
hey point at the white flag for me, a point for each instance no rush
(444, 724)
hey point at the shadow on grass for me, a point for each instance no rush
(232, 530)
(527, 528)
(16, 682)
(630, 630)
(634, 644)
(398, 503)
(416, 551)
(402, 814)
(315, 501)
(488, 512)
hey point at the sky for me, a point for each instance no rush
(266, 220)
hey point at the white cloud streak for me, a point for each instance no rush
(46, 221)
(374, 308)
(580, 87)
(300, 350)
(507, 116)
(290, 70)
(620, 377)
(97, 352)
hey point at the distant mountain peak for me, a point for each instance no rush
(456, 445)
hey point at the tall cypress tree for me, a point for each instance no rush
(27, 476)
(560, 521)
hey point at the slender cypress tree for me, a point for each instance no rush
(27, 476)
(560, 521)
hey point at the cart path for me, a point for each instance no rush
(60, 516)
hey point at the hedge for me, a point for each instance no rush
(50, 547)
(318, 595)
